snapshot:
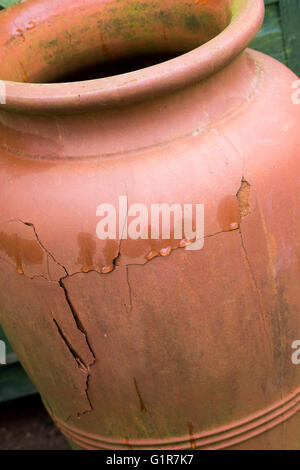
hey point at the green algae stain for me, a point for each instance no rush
(53, 43)
(192, 23)
(137, 6)
(235, 8)
(204, 21)
(166, 17)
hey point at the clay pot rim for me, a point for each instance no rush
(165, 77)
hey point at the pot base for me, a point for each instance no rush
(224, 437)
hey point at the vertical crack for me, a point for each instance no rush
(76, 356)
(261, 309)
(29, 224)
(243, 197)
(142, 404)
(117, 259)
(76, 317)
(129, 290)
(87, 383)
(81, 363)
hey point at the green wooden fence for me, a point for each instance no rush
(280, 34)
(14, 383)
(280, 38)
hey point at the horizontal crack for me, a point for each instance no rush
(117, 258)
(115, 261)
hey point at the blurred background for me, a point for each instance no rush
(24, 424)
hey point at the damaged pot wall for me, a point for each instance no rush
(142, 344)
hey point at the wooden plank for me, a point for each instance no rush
(11, 357)
(8, 3)
(270, 40)
(14, 383)
(290, 18)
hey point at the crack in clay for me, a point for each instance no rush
(36, 276)
(87, 383)
(146, 261)
(142, 404)
(243, 196)
(82, 365)
(79, 361)
(30, 224)
(75, 316)
(251, 271)
(42, 246)
(129, 290)
(76, 356)
(115, 261)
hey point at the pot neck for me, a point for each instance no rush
(175, 75)
(101, 133)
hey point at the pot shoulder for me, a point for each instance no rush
(257, 141)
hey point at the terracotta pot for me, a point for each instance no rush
(131, 348)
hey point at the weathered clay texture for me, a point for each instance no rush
(141, 343)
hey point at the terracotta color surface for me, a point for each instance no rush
(129, 349)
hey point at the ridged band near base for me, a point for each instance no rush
(220, 438)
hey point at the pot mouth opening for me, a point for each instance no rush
(111, 68)
(77, 53)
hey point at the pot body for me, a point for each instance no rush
(143, 344)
